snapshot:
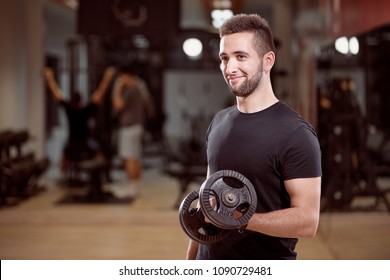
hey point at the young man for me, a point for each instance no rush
(266, 141)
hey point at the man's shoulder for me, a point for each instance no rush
(226, 111)
(289, 115)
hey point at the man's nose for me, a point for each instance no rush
(231, 66)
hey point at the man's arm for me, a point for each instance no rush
(301, 219)
(52, 84)
(147, 98)
(101, 90)
(192, 250)
(117, 100)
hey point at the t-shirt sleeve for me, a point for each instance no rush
(302, 155)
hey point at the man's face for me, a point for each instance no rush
(241, 65)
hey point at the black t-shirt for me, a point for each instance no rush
(267, 147)
(78, 120)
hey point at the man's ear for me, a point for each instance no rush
(268, 61)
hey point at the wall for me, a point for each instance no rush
(12, 57)
(21, 90)
(358, 16)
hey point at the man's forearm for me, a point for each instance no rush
(192, 250)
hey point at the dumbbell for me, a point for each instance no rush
(227, 200)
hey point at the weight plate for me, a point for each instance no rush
(193, 222)
(228, 199)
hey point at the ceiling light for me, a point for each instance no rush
(193, 48)
(345, 46)
(341, 45)
(219, 16)
(354, 45)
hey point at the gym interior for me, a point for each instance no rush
(332, 67)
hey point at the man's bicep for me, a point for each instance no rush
(304, 192)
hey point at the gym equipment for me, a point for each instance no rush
(234, 197)
(192, 220)
(351, 164)
(20, 171)
(227, 199)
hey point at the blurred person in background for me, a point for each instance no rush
(133, 105)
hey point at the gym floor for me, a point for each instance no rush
(148, 228)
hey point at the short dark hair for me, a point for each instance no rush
(263, 39)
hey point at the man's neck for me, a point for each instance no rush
(259, 100)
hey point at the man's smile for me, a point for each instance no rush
(233, 80)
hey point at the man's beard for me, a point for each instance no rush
(248, 86)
